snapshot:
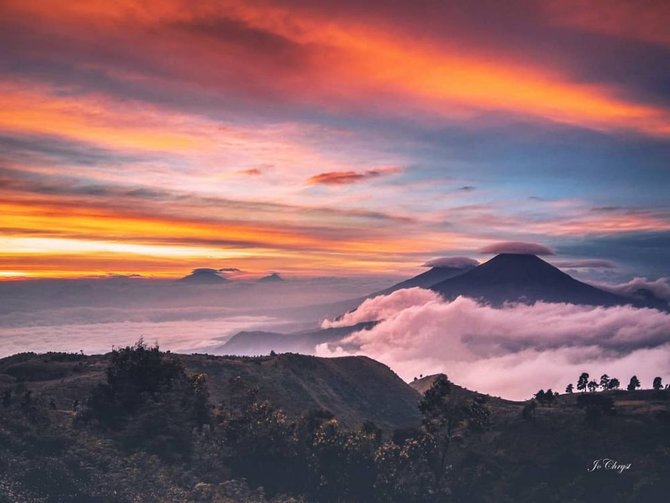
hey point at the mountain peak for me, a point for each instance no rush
(203, 276)
(272, 277)
(521, 277)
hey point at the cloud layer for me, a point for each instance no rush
(510, 351)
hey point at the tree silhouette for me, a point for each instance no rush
(633, 384)
(613, 384)
(583, 381)
(569, 388)
(592, 385)
(549, 396)
(658, 383)
(604, 381)
(445, 419)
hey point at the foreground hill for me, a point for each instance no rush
(153, 432)
(524, 278)
(355, 389)
(423, 384)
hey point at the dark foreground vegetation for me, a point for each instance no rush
(139, 425)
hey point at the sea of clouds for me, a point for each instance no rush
(510, 351)
(96, 315)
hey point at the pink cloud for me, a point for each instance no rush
(518, 247)
(349, 177)
(456, 262)
(383, 306)
(659, 287)
(510, 351)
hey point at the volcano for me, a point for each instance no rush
(523, 278)
(427, 279)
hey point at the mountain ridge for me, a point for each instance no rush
(510, 277)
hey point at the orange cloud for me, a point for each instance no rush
(349, 177)
(35, 110)
(447, 81)
(647, 21)
(350, 61)
(57, 238)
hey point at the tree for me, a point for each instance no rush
(539, 396)
(658, 384)
(148, 402)
(595, 406)
(446, 419)
(613, 384)
(583, 381)
(569, 388)
(592, 385)
(262, 446)
(604, 381)
(633, 384)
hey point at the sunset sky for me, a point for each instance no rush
(326, 138)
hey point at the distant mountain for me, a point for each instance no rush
(251, 343)
(271, 278)
(524, 278)
(427, 279)
(203, 276)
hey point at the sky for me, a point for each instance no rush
(322, 138)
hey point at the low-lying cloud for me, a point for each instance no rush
(659, 287)
(383, 307)
(585, 264)
(510, 351)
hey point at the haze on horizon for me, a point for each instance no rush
(322, 139)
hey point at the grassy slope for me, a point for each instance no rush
(354, 389)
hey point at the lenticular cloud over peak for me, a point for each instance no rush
(453, 262)
(518, 248)
(502, 351)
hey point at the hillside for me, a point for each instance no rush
(157, 450)
(354, 389)
(422, 385)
